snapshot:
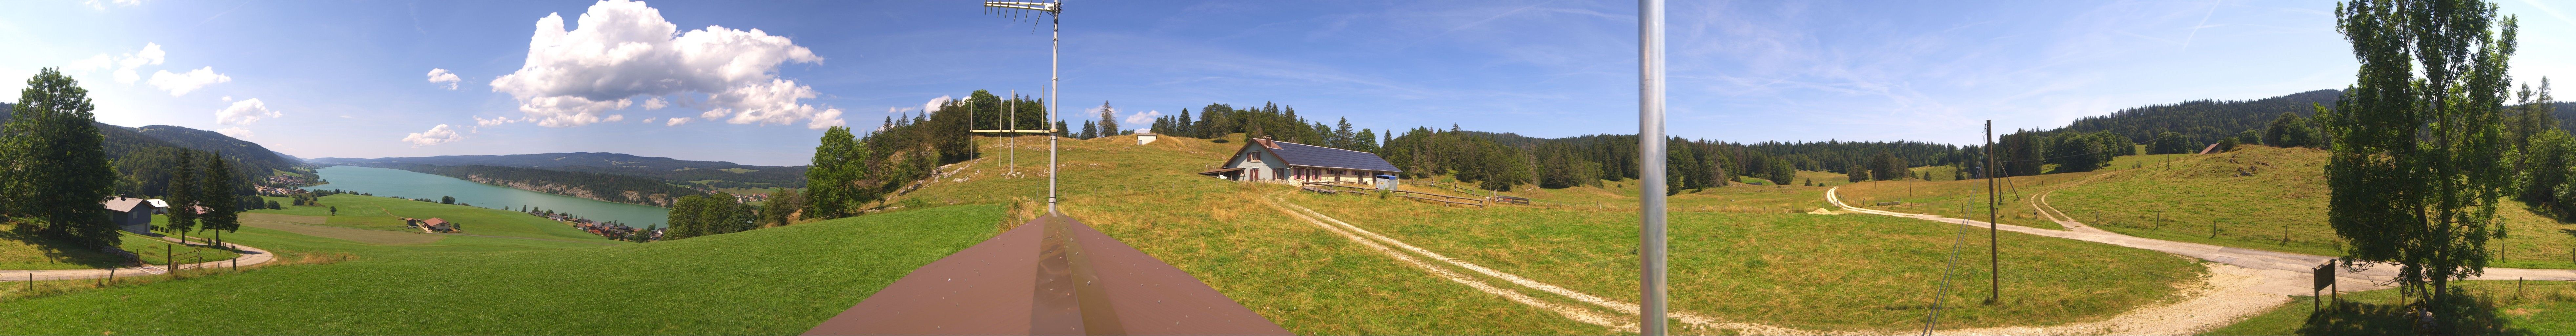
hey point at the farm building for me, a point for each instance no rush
(130, 214)
(433, 225)
(1268, 160)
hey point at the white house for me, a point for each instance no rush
(1268, 160)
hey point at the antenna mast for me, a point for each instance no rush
(1055, 42)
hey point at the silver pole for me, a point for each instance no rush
(1055, 41)
(1014, 167)
(1650, 163)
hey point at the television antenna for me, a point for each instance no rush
(1055, 42)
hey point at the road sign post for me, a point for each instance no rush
(2324, 279)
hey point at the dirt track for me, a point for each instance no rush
(2278, 274)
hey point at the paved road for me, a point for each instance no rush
(249, 256)
(2284, 273)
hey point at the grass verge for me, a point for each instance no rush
(2493, 308)
(770, 281)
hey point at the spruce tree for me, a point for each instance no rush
(1108, 120)
(215, 192)
(183, 195)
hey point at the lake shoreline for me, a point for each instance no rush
(398, 183)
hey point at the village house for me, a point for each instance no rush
(130, 214)
(433, 225)
(1268, 160)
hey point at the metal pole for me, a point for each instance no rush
(1014, 167)
(1650, 165)
(1055, 42)
(1994, 261)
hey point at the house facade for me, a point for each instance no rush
(1267, 160)
(130, 214)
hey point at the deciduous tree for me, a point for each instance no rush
(2418, 165)
(56, 172)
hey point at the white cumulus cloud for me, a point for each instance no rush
(623, 49)
(479, 121)
(934, 104)
(676, 121)
(436, 135)
(656, 103)
(236, 132)
(437, 75)
(151, 55)
(179, 84)
(244, 112)
(1141, 118)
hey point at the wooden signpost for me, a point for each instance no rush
(2325, 280)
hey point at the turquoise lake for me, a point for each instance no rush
(408, 184)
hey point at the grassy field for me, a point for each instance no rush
(770, 281)
(1828, 272)
(1845, 272)
(2500, 308)
(2268, 199)
(1960, 198)
(386, 214)
(21, 250)
(1301, 277)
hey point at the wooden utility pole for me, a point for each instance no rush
(1994, 260)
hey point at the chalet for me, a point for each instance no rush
(130, 214)
(1268, 160)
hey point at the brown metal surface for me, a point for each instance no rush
(1050, 276)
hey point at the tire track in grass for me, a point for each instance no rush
(1629, 309)
(1579, 314)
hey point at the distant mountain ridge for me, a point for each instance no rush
(2203, 120)
(718, 174)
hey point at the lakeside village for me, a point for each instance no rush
(610, 230)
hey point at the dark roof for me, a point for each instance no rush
(1298, 154)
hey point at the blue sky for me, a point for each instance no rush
(355, 79)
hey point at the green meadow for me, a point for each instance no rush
(2273, 199)
(770, 281)
(1818, 272)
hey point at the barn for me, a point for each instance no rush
(1268, 160)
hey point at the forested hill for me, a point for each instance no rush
(597, 186)
(139, 154)
(2204, 121)
(718, 174)
(252, 155)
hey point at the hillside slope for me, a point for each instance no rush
(259, 158)
(771, 281)
(2266, 198)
